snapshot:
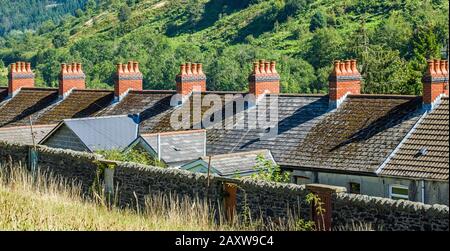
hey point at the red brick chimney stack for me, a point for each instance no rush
(435, 82)
(191, 78)
(344, 79)
(128, 77)
(71, 77)
(264, 78)
(20, 75)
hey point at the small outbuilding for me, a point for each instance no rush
(232, 165)
(94, 133)
(172, 148)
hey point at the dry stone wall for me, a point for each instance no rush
(133, 182)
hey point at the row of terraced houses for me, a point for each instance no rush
(382, 145)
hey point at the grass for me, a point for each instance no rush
(47, 202)
(50, 203)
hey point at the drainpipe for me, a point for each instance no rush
(158, 146)
(204, 144)
(422, 184)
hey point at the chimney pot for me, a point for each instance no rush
(262, 68)
(63, 68)
(196, 81)
(183, 69)
(273, 67)
(15, 83)
(437, 67)
(430, 69)
(267, 67)
(130, 66)
(348, 67)
(136, 67)
(443, 68)
(128, 78)
(270, 84)
(337, 68)
(194, 69)
(339, 87)
(256, 68)
(342, 68)
(200, 69)
(353, 66)
(434, 86)
(188, 69)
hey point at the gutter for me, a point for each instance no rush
(422, 183)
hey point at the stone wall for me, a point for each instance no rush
(264, 199)
(389, 215)
(17, 154)
(133, 182)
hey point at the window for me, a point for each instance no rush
(355, 188)
(398, 192)
(301, 180)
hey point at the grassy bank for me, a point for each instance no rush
(51, 203)
(54, 204)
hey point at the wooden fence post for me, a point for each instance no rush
(230, 200)
(325, 193)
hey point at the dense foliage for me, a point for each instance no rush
(391, 40)
(268, 171)
(132, 155)
(29, 14)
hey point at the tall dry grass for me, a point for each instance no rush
(46, 202)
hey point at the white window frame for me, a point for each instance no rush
(399, 196)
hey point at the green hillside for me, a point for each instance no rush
(30, 14)
(391, 40)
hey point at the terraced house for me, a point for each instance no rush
(393, 146)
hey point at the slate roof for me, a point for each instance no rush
(360, 134)
(79, 104)
(22, 134)
(153, 106)
(356, 137)
(431, 136)
(237, 163)
(178, 147)
(27, 102)
(102, 133)
(297, 115)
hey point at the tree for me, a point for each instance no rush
(318, 20)
(124, 13)
(395, 33)
(91, 6)
(325, 46)
(47, 26)
(79, 13)
(60, 40)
